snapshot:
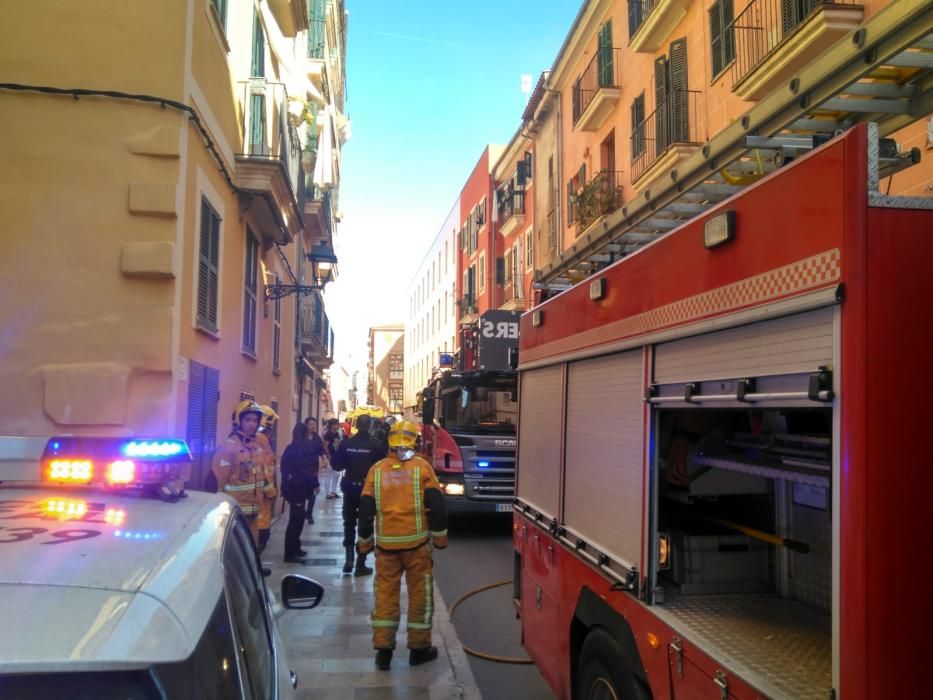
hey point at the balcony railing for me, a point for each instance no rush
(268, 134)
(765, 24)
(316, 333)
(638, 12)
(600, 196)
(674, 121)
(510, 205)
(601, 72)
(466, 306)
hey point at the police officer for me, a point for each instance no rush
(403, 497)
(240, 464)
(354, 457)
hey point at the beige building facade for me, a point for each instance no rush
(386, 367)
(155, 187)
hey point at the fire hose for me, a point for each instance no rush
(483, 654)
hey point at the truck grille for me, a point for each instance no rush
(488, 470)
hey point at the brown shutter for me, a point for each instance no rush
(661, 108)
(680, 125)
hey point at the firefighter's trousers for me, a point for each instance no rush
(417, 566)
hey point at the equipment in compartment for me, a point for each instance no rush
(718, 563)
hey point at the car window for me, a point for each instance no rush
(248, 611)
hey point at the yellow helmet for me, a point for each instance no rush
(269, 417)
(403, 434)
(245, 406)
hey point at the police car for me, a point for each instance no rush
(116, 584)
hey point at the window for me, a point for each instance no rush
(221, 7)
(507, 276)
(395, 398)
(276, 333)
(482, 272)
(248, 607)
(529, 257)
(208, 267)
(258, 64)
(395, 365)
(638, 125)
(251, 271)
(670, 95)
(574, 185)
(517, 259)
(722, 34)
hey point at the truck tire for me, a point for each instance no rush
(602, 674)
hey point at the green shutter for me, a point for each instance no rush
(258, 65)
(208, 266)
(715, 36)
(257, 120)
(680, 123)
(604, 53)
(661, 107)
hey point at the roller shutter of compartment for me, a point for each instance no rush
(539, 431)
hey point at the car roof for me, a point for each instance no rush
(106, 590)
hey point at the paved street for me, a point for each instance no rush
(330, 647)
(480, 553)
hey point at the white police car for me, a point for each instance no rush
(113, 584)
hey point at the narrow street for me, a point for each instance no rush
(480, 553)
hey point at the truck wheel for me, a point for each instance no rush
(602, 673)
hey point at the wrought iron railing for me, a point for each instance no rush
(510, 204)
(765, 24)
(601, 72)
(600, 196)
(315, 325)
(674, 121)
(638, 12)
(466, 305)
(269, 133)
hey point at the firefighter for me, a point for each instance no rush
(354, 457)
(403, 497)
(240, 463)
(266, 506)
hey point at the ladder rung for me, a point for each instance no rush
(843, 104)
(880, 90)
(911, 59)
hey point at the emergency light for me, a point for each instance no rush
(115, 462)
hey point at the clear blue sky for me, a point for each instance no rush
(429, 83)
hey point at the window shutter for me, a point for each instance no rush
(661, 107)
(208, 266)
(258, 67)
(201, 424)
(728, 31)
(789, 18)
(581, 176)
(715, 35)
(604, 60)
(570, 202)
(520, 173)
(471, 284)
(250, 292)
(680, 123)
(214, 272)
(500, 271)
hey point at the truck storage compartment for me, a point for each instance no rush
(744, 496)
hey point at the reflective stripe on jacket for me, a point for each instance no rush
(239, 466)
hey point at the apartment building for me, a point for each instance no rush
(644, 91)
(514, 223)
(431, 325)
(386, 367)
(149, 213)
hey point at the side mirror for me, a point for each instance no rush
(427, 410)
(301, 592)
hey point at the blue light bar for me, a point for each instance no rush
(482, 464)
(154, 448)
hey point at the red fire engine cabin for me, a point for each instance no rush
(723, 474)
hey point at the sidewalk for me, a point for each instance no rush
(330, 647)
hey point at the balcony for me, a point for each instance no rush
(596, 92)
(268, 168)
(776, 38)
(466, 309)
(650, 22)
(318, 212)
(600, 196)
(665, 137)
(510, 206)
(290, 15)
(317, 337)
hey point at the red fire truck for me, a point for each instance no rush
(723, 479)
(468, 412)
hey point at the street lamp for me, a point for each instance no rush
(323, 260)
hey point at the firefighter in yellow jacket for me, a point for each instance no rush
(240, 464)
(403, 499)
(264, 519)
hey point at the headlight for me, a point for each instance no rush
(453, 489)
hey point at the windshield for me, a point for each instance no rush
(479, 410)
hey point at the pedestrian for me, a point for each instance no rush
(319, 450)
(354, 457)
(266, 506)
(331, 476)
(240, 463)
(299, 482)
(402, 529)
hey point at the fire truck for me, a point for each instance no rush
(722, 490)
(469, 412)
